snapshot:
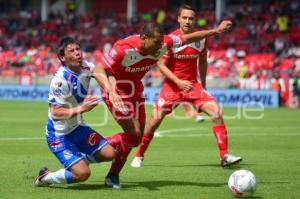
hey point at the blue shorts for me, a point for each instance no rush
(69, 148)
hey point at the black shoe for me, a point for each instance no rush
(39, 180)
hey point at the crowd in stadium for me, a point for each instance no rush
(262, 51)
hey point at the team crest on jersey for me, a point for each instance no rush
(176, 40)
(58, 84)
(67, 154)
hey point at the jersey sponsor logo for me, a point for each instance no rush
(56, 143)
(136, 70)
(67, 154)
(57, 92)
(192, 56)
(93, 139)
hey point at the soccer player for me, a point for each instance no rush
(179, 65)
(73, 143)
(125, 65)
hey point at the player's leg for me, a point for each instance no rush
(78, 172)
(157, 117)
(95, 148)
(133, 125)
(75, 168)
(123, 144)
(189, 111)
(167, 101)
(219, 129)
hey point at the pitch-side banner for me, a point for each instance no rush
(225, 97)
(232, 97)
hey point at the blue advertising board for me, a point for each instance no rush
(225, 97)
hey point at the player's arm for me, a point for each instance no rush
(59, 112)
(202, 64)
(103, 75)
(182, 84)
(198, 35)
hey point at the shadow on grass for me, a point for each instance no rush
(232, 167)
(156, 185)
(150, 185)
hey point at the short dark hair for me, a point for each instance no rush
(186, 7)
(150, 28)
(64, 42)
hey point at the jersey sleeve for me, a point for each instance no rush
(167, 55)
(114, 55)
(59, 91)
(174, 41)
(88, 67)
(204, 50)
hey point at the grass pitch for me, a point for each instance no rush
(181, 163)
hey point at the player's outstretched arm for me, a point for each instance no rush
(108, 82)
(198, 35)
(181, 84)
(101, 77)
(65, 112)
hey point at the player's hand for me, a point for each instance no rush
(224, 26)
(117, 102)
(185, 85)
(89, 103)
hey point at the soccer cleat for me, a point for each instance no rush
(112, 181)
(199, 118)
(137, 162)
(229, 160)
(39, 180)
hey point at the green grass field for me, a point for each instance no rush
(182, 163)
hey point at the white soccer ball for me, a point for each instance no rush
(242, 183)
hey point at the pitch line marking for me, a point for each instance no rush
(169, 133)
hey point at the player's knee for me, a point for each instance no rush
(110, 154)
(82, 175)
(217, 116)
(138, 139)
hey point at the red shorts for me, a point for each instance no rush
(135, 102)
(170, 97)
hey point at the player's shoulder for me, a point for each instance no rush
(59, 85)
(176, 32)
(128, 42)
(87, 66)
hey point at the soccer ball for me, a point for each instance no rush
(242, 183)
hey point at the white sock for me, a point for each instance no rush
(61, 176)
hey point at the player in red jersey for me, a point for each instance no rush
(180, 65)
(120, 71)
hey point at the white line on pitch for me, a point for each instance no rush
(168, 133)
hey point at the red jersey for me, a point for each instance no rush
(183, 60)
(126, 61)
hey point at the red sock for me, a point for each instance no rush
(221, 138)
(144, 145)
(123, 143)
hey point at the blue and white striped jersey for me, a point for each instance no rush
(68, 89)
